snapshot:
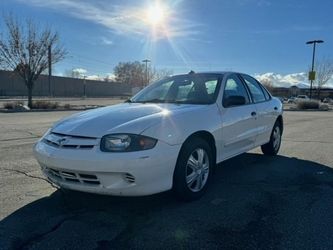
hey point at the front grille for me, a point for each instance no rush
(71, 177)
(69, 141)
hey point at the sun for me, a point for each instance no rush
(156, 14)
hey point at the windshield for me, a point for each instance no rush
(187, 89)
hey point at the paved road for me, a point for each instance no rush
(254, 202)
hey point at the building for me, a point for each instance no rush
(295, 91)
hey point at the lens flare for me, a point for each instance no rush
(156, 14)
(164, 21)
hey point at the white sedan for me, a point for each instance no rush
(170, 135)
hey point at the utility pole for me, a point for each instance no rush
(84, 86)
(50, 68)
(312, 74)
(146, 61)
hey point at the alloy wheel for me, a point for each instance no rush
(197, 170)
(276, 138)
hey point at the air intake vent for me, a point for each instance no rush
(129, 178)
(71, 177)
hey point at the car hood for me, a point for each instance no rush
(121, 118)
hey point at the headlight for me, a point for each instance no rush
(126, 143)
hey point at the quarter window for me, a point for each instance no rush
(255, 89)
(267, 96)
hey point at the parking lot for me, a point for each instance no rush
(254, 201)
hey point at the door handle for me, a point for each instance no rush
(275, 108)
(253, 113)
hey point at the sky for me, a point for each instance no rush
(264, 38)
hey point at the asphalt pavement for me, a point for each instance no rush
(254, 201)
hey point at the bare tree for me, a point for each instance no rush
(134, 73)
(24, 49)
(324, 72)
(268, 85)
(156, 75)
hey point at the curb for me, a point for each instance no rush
(46, 110)
(308, 110)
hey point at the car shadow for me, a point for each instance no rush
(253, 202)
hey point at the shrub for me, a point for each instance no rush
(8, 105)
(67, 106)
(13, 105)
(44, 105)
(55, 105)
(308, 104)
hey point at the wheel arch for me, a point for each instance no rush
(205, 135)
(280, 120)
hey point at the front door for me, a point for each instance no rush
(239, 125)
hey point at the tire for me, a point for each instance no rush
(273, 146)
(193, 170)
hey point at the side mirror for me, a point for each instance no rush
(234, 100)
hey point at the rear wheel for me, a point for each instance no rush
(273, 146)
(193, 170)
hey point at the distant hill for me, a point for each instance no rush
(307, 86)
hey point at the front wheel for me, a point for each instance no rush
(273, 146)
(193, 170)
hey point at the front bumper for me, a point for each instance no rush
(124, 174)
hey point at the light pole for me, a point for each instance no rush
(312, 75)
(146, 61)
(49, 57)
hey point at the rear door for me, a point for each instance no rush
(266, 111)
(238, 122)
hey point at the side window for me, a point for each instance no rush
(234, 87)
(184, 90)
(267, 96)
(255, 89)
(211, 86)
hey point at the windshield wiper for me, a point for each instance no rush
(156, 100)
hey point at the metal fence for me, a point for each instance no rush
(12, 85)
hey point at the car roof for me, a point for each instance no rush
(211, 72)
